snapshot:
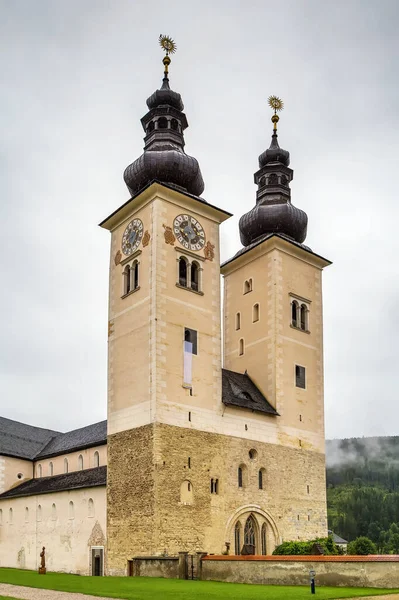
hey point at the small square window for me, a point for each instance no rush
(300, 377)
(190, 335)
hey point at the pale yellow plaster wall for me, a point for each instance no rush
(145, 360)
(73, 461)
(67, 540)
(10, 468)
(272, 346)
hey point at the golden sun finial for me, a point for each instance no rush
(277, 104)
(169, 46)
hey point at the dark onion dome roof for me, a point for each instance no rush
(273, 212)
(165, 96)
(273, 218)
(164, 159)
(169, 166)
(274, 154)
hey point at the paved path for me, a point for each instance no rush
(27, 593)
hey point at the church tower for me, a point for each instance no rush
(164, 360)
(201, 458)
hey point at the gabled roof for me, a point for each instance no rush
(23, 441)
(59, 483)
(85, 437)
(239, 390)
(336, 538)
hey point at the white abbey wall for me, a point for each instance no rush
(67, 534)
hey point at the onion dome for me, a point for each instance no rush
(274, 212)
(164, 158)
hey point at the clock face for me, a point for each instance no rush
(189, 232)
(132, 236)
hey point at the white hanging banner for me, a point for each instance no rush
(187, 363)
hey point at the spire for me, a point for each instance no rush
(164, 158)
(273, 212)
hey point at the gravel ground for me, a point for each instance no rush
(27, 593)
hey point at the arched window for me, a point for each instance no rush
(51, 469)
(80, 462)
(39, 512)
(294, 313)
(174, 124)
(241, 347)
(237, 538)
(71, 510)
(238, 321)
(10, 515)
(53, 512)
(261, 478)
(26, 514)
(250, 535)
(214, 486)
(248, 286)
(39, 470)
(65, 465)
(273, 179)
(304, 317)
(186, 492)
(150, 127)
(262, 181)
(255, 313)
(162, 123)
(263, 539)
(135, 269)
(183, 271)
(90, 507)
(240, 478)
(96, 459)
(126, 280)
(195, 276)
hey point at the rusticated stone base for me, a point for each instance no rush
(160, 500)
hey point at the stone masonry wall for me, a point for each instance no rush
(292, 501)
(130, 497)
(148, 514)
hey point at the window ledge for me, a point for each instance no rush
(299, 329)
(131, 292)
(183, 287)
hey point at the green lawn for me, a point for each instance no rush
(143, 588)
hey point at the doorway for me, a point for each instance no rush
(97, 562)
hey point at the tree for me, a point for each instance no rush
(362, 545)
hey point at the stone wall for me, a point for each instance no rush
(148, 515)
(156, 566)
(130, 498)
(350, 571)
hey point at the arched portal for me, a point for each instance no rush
(251, 525)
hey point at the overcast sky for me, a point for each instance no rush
(74, 79)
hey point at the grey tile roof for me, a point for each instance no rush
(85, 437)
(336, 538)
(21, 440)
(239, 390)
(58, 483)
(25, 441)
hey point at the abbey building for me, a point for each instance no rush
(205, 447)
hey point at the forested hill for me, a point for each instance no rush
(363, 489)
(368, 461)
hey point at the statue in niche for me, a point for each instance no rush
(42, 568)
